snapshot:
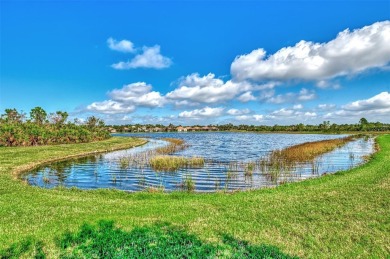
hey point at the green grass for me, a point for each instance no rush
(340, 215)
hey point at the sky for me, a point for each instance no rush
(198, 62)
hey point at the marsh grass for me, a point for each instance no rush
(315, 165)
(174, 163)
(114, 179)
(174, 146)
(46, 179)
(231, 174)
(142, 159)
(308, 151)
(281, 163)
(188, 184)
(124, 163)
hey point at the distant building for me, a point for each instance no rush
(112, 130)
(181, 129)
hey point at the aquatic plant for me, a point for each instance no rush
(249, 168)
(113, 179)
(142, 159)
(217, 184)
(351, 156)
(46, 180)
(124, 163)
(231, 175)
(315, 165)
(173, 163)
(174, 146)
(306, 152)
(188, 184)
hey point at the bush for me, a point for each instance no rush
(31, 134)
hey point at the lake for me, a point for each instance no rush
(225, 153)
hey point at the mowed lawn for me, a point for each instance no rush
(346, 214)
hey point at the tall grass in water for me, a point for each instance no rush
(282, 162)
(142, 159)
(174, 146)
(249, 168)
(188, 184)
(174, 163)
(307, 152)
(124, 163)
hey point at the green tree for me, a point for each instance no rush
(300, 127)
(363, 121)
(93, 122)
(12, 116)
(59, 117)
(38, 115)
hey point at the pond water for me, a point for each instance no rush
(226, 156)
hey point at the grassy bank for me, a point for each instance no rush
(340, 215)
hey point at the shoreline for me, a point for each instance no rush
(20, 170)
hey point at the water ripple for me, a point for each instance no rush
(224, 152)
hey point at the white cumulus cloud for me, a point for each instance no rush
(149, 58)
(326, 106)
(350, 52)
(380, 101)
(292, 116)
(238, 112)
(122, 46)
(297, 106)
(139, 94)
(110, 107)
(207, 89)
(376, 108)
(204, 112)
(303, 95)
(128, 98)
(246, 97)
(250, 118)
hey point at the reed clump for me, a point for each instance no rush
(174, 163)
(174, 146)
(188, 184)
(142, 159)
(307, 152)
(124, 163)
(280, 162)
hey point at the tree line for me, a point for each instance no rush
(325, 127)
(41, 128)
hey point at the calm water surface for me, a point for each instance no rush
(226, 155)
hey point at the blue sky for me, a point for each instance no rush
(198, 62)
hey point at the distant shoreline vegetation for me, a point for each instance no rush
(43, 129)
(40, 128)
(326, 127)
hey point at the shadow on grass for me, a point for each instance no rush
(28, 248)
(155, 241)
